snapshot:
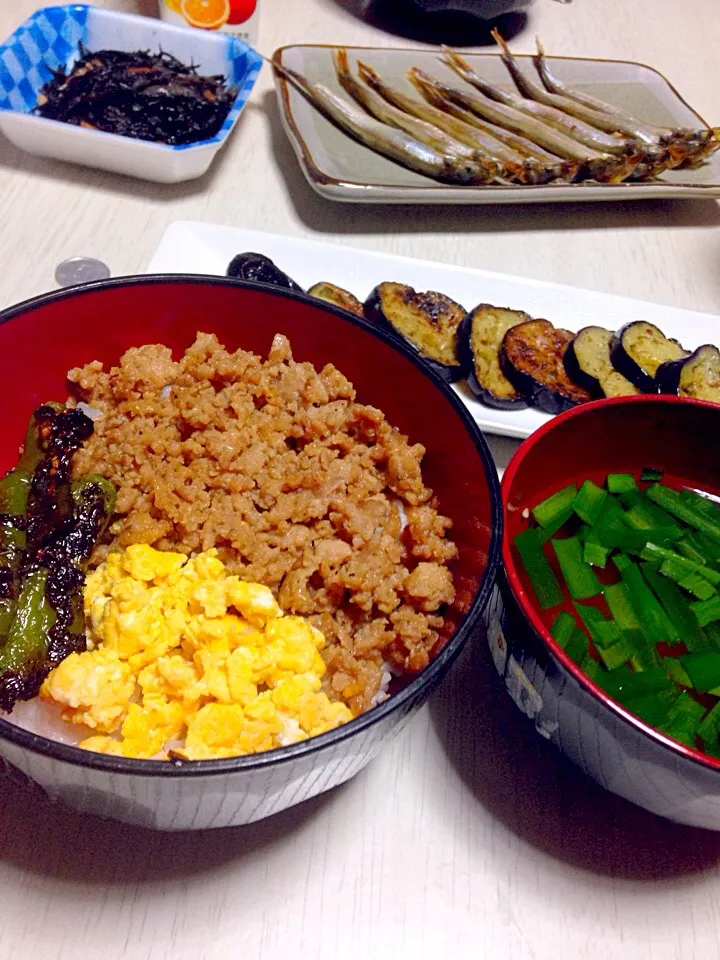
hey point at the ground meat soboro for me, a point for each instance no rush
(298, 486)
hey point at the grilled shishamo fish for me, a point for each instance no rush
(517, 166)
(682, 144)
(391, 142)
(481, 133)
(654, 158)
(699, 143)
(599, 166)
(384, 111)
(577, 129)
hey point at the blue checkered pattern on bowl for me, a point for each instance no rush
(43, 43)
(50, 39)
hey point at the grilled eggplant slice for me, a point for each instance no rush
(695, 376)
(480, 337)
(587, 362)
(429, 322)
(254, 266)
(531, 357)
(638, 350)
(337, 296)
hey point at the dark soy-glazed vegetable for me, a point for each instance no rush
(480, 336)
(531, 357)
(695, 376)
(48, 529)
(511, 360)
(429, 322)
(337, 296)
(587, 362)
(148, 96)
(638, 349)
(260, 269)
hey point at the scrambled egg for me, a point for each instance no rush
(184, 657)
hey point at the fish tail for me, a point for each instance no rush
(343, 74)
(370, 76)
(510, 62)
(340, 59)
(504, 48)
(430, 93)
(453, 60)
(421, 82)
(540, 65)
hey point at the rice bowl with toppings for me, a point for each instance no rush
(41, 340)
(273, 561)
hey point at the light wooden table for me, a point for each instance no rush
(469, 837)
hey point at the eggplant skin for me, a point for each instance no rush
(260, 269)
(479, 340)
(428, 322)
(638, 350)
(588, 364)
(531, 357)
(337, 296)
(696, 376)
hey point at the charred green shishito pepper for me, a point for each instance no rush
(14, 493)
(45, 548)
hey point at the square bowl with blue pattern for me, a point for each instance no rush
(51, 38)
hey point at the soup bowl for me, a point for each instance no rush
(610, 743)
(42, 339)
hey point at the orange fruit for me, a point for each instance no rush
(206, 14)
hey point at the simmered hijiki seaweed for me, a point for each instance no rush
(148, 96)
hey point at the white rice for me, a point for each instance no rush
(291, 732)
(403, 515)
(382, 693)
(93, 413)
(46, 720)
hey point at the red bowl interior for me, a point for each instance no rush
(621, 435)
(41, 341)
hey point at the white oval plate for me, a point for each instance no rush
(189, 247)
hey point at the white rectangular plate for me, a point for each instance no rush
(189, 247)
(339, 168)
